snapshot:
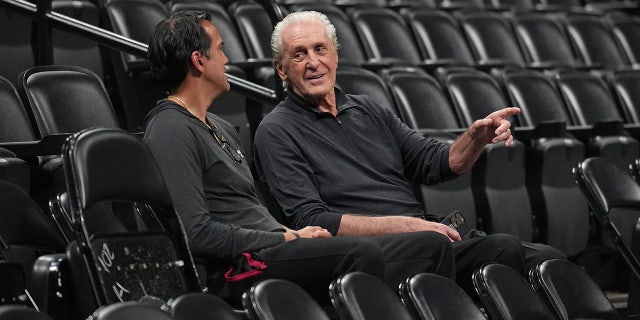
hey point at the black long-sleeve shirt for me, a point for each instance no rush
(214, 196)
(319, 166)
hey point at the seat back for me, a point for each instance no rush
(626, 85)
(362, 81)
(70, 49)
(491, 38)
(23, 222)
(438, 36)
(162, 263)
(21, 313)
(359, 296)
(66, 99)
(593, 41)
(506, 295)
(588, 98)
(14, 170)
(474, 95)
(434, 297)
(385, 35)
(537, 97)
(420, 99)
(570, 292)
(626, 32)
(254, 26)
(15, 125)
(15, 43)
(25, 233)
(138, 88)
(130, 311)
(193, 306)
(233, 47)
(543, 39)
(271, 300)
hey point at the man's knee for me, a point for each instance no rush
(505, 249)
(366, 255)
(537, 252)
(504, 242)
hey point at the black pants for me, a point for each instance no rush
(314, 263)
(501, 248)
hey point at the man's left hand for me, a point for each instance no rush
(494, 128)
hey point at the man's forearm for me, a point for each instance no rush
(464, 152)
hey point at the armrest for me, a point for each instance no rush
(49, 145)
(431, 65)
(488, 64)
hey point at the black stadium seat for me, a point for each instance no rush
(193, 306)
(434, 297)
(271, 300)
(66, 99)
(626, 32)
(498, 180)
(107, 164)
(359, 296)
(362, 81)
(491, 38)
(15, 125)
(423, 105)
(72, 49)
(506, 295)
(593, 41)
(254, 26)
(570, 292)
(385, 35)
(625, 85)
(590, 102)
(138, 89)
(439, 37)
(551, 155)
(543, 40)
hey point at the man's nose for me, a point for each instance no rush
(313, 59)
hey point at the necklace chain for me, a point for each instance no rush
(208, 122)
(184, 104)
(213, 128)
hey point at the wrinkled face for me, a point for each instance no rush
(214, 64)
(309, 60)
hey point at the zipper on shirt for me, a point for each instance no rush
(338, 120)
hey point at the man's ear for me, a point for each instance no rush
(280, 69)
(196, 61)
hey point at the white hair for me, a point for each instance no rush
(295, 18)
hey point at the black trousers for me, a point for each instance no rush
(314, 263)
(471, 254)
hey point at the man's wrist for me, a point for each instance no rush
(291, 235)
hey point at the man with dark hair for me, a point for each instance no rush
(343, 162)
(212, 188)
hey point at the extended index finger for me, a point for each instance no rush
(506, 112)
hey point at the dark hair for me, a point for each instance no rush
(173, 41)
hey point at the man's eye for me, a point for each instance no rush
(298, 56)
